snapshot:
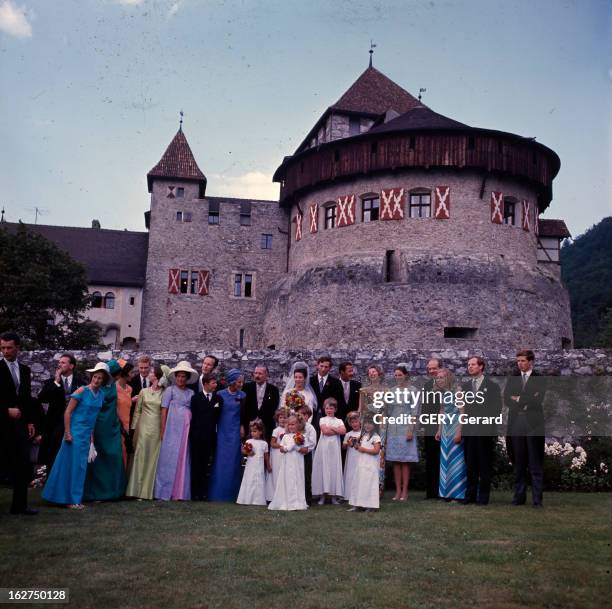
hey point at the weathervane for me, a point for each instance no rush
(421, 91)
(371, 51)
(181, 121)
(2, 218)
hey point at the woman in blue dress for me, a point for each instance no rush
(453, 478)
(225, 478)
(67, 478)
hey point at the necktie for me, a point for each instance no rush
(66, 386)
(12, 368)
(145, 383)
(208, 396)
(321, 384)
(474, 385)
(524, 379)
(346, 392)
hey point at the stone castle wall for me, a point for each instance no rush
(576, 362)
(188, 320)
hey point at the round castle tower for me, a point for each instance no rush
(411, 230)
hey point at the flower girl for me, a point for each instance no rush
(350, 444)
(280, 416)
(364, 489)
(253, 487)
(289, 492)
(327, 464)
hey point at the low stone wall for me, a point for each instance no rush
(575, 362)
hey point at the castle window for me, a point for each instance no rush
(179, 216)
(510, 211)
(420, 205)
(471, 143)
(96, 300)
(266, 242)
(180, 192)
(132, 301)
(193, 284)
(213, 212)
(370, 209)
(184, 285)
(391, 270)
(460, 332)
(245, 213)
(244, 285)
(354, 125)
(241, 338)
(412, 142)
(330, 215)
(109, 300)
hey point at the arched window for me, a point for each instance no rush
(109, 300)
(96, 300)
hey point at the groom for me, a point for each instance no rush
(324, 386)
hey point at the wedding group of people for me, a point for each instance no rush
(151, 432)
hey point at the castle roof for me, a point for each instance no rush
(419, 117)
(553, 228)
(110, 257)
(177, 162)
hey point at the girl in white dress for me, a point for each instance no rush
(351, 441)
(364, 490)
(280, 416)
(289, 492)
(253, 487)
(327, 464)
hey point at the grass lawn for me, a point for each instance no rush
(419, 554)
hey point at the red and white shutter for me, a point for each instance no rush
(313, 214)
(392, 204)
(203, 280)
(536, 220)
(526, 212)
(497, 207)
(298, 226)
(442, 203)
(173, 281)
(345, 211)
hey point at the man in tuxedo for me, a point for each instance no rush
(56, 393)
(261, 400)
(432, 447)
(350, 390)
(324, 386)
(16, 421)
(479, 440)
(209, 365)
(524, 395)
(140, 381)
(205, 410)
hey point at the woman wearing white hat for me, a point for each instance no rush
(173, 477)
(67, 478)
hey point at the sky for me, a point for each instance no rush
(90, 90)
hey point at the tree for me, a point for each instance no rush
(44, 293)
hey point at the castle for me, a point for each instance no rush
(396, 227)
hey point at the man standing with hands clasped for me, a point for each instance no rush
(16, 421)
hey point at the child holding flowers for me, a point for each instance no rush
(310, 435)
(289, 491)
(280, 416)
(364, 495)
(253, 487)
(327, 464)
(350, 444)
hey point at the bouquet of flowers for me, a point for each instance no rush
(298, 438)
(294, 400)
(248, 448)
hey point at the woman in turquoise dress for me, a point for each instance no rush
(105, 479)
(67, 478)
(226, 470)
(453, 478)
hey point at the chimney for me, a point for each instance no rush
(96, 224)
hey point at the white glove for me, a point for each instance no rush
(93, 453)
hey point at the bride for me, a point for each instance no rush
(299, 380)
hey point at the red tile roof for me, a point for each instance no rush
(553, 228)
(177, 162)
(374, 93)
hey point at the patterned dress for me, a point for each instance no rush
(453, 479)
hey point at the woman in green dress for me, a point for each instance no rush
(106, 475)
(146, 424)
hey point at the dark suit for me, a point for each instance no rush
(331, 389)
(479, 448)
(53, 427)
(526, 434)
(137, 386)
(14, 441)
(431, 446)
(250, 411)
(202, 440)
(345, 407)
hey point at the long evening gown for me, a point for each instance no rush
(453, 477)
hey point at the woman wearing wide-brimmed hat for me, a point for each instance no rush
(225, 477)
(106, 479)
(67, 478)
(173, 477)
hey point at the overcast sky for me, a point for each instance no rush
(90, 90)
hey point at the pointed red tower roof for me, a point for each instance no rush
(375, 93)
(177, 162)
